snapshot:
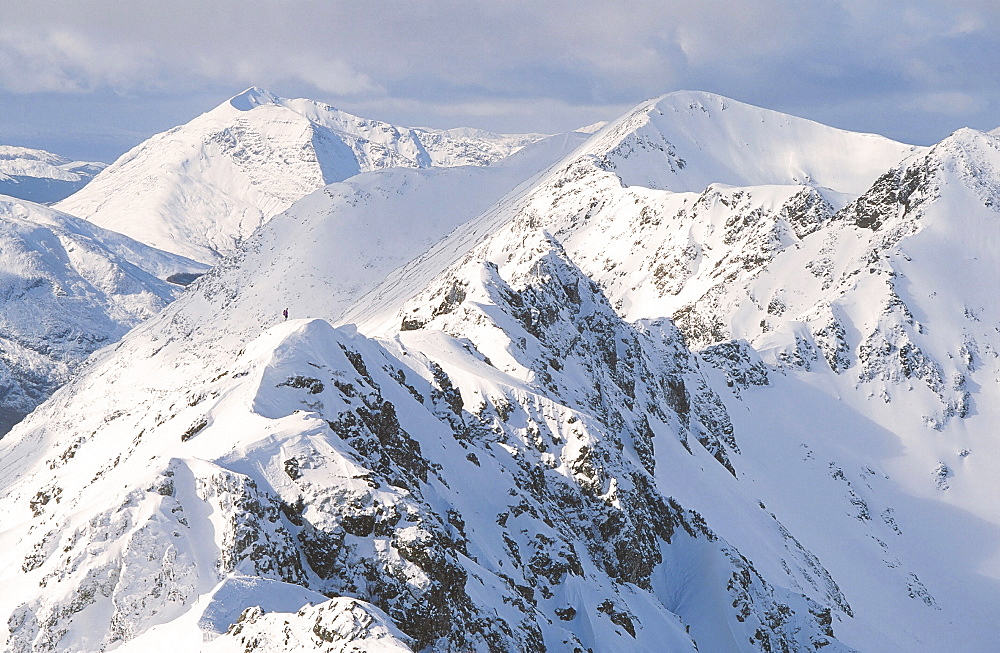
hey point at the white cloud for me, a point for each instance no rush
(486, 61)
(168, 52)
(949, 103)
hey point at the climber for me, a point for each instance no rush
(285, 313)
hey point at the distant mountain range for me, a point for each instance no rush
(191, 190)
(41, 176)
(712, 378)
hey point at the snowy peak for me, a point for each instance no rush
(971, 154)
(967, 162)
(968, 152)
(252, 97)
(686, 140)
(419, 147)
(200, 189)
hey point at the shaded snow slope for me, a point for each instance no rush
(198, 190)
(41, 176)
(67, 288)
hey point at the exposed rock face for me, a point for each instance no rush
(380, 499)
(335, 626)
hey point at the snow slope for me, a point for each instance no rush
(67, 287)
(686, 140)
(610, 410)
(200, 189)
(41, 176)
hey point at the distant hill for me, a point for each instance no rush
(42, 177)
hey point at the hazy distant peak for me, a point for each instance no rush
(592, 128)
(40, 176)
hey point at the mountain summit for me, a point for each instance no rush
(200, 189)
(252, 97)
(686, 140)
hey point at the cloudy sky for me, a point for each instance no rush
(91, 78)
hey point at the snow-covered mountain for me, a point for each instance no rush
(299, 146)
(68, 287)
(41, 176)
(686, 141)
(743, 403)
(200, 189)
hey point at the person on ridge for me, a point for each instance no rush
(285, 313)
